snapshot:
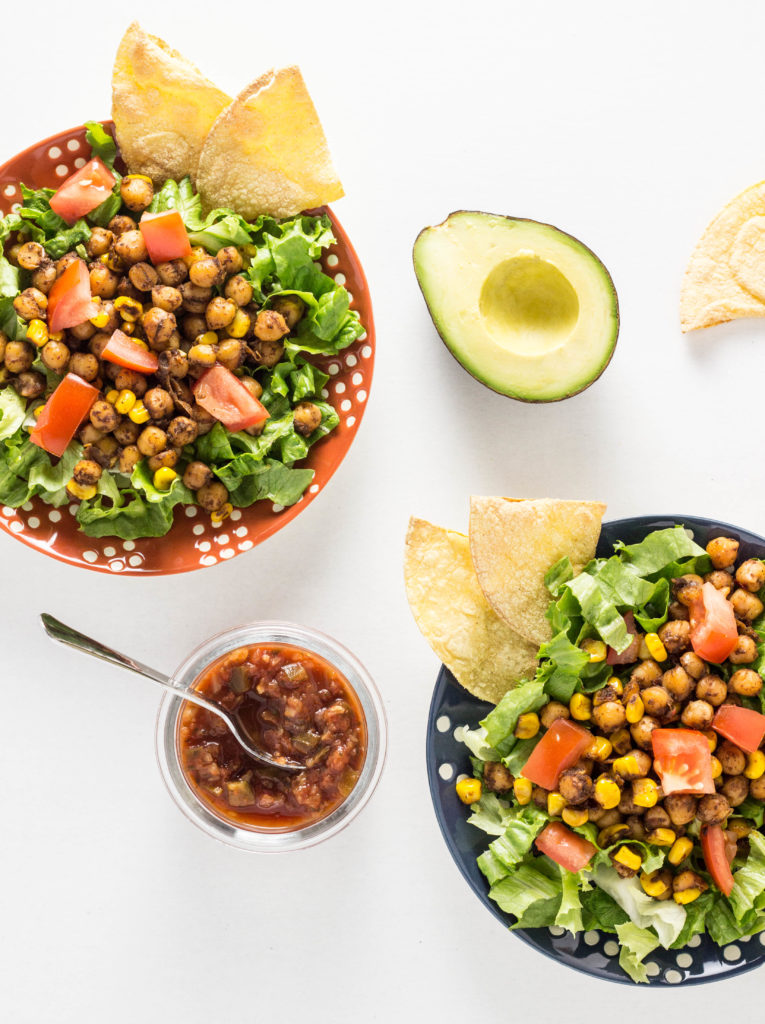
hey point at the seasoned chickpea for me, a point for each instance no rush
(698, 714)
(552, 712)
(195, 299)
(201, 357)
(757, 788)
(83, 331)
(64, 261)
(270, 325)
(231, 354)
(677, 610)
(193, 325)
(55, 355)
(268, 353)
(143, 276)
(693, 665)
(731, 757)
(165, 297)
(746, 605)
(238, 290)
(720, 580)
(751, 575)
(290, 307)
(131, 380)
(230, 260)
(130, 247)
(745, 682)
(212, 496)
(99, 243)
(181, 431)
(197, 476)
(129, 459)
(677, 682)
(31, 304)
(712, 689)
(167, 459)
(113, 319)
(658, 702)
(30, 384)
(31, 255)
(688, 880)
(627, 805)
(19, 356)
(205, 272)
(173, 273)
(539, 797)
(136, 191)
(635, 829)
(744, 652)
(84, 364)
(736, 789)
(609, 716)
(676, 636)
(306, 418)
(88, 434)
(3, 343)
(159, 403)
(175, 363)
(640, 769)
(120, 224)
(103, 281)
(723, 551)
(87, 472)
(127, 432)
(646, 673)
(656, 817)
(219, 313)
(159, 326)
(104, 416)
(713, 809)
(575, 786)
(256, 390)
(44, 277)
(681, 808)
(687, 589)
(641, 731)
(151, 441)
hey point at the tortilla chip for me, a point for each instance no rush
(267, 152)
(513, 544)
(480, 651)
(162, 106)
(725, 279)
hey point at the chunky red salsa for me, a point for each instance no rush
(293, 703)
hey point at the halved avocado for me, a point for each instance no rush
(528, 310)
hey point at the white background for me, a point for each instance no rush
(626, 125)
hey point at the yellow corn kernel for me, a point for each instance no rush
(139, 342)
(580, 707)
(716, 767)
(634, 708)
(662, 837)
(739, 827)
(555, 804)
(686, 896)
(239, 326)
(596, 649)
(599, 750)
(112, 261)
(527, 726)
(55, 335)
(711, 740)
(100, 319)
(607, 793)
(125, 401)
(653, 885)
(223, 513)
(522, 789)
(137, 177)
(609, 835)
(621, 741)
(645, 793)
(655, 647)
(575, 816)
(37, 332)
(129, 309)
(80, 491)
(643, 653)
(36, 412)
(112, 396)
(208, 338)
(680, 850)
(164, 477)
(624, 855)
(139, 413)
(468, 790)
(627, 767)
(755, 765)
(197, 253)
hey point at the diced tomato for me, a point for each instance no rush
(713, 625)
(225, 397)
(631, 653)
(713, 846)
(165, 236)
(560, 748)
(62, 414)
(683, 761)
(573, 852)
(742, 726)
(83, 191)
(123, 351)
(69, 300)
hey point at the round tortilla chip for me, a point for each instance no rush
(725, 278)
(513, 543)
(482, 652)
(162, 106)
(267, 153)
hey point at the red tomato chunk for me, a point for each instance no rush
(69, 301)
(83, 191)
(559, 843)
(742, 726)
(560, 748)
(62, 414)
(224, 396)
(294, 704)
(165, 236)
(683, 761)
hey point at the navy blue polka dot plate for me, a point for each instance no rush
(592, 953)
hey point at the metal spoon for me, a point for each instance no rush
(71, 638)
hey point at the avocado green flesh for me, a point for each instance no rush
(527, 309)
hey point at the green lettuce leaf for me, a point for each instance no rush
(659, 549)
(601, 911)
(502, 720)
(101, 143)
(636, 943)
(752, 809)
(695, 918)
(523, 887)
(491, 814)
(12, 412)
(667, 918)
(569, 914)
(520, 832)
(749, 880)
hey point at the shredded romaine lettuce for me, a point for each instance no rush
(636, 943)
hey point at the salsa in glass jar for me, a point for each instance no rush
(295, 705)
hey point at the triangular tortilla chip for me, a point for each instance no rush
(513, 544)
(267, 152)
(485, 655)
(162, 106)
(725, 279)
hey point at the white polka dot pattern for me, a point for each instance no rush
(194, 541)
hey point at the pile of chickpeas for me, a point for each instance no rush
(615, 785)
(194, 313)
